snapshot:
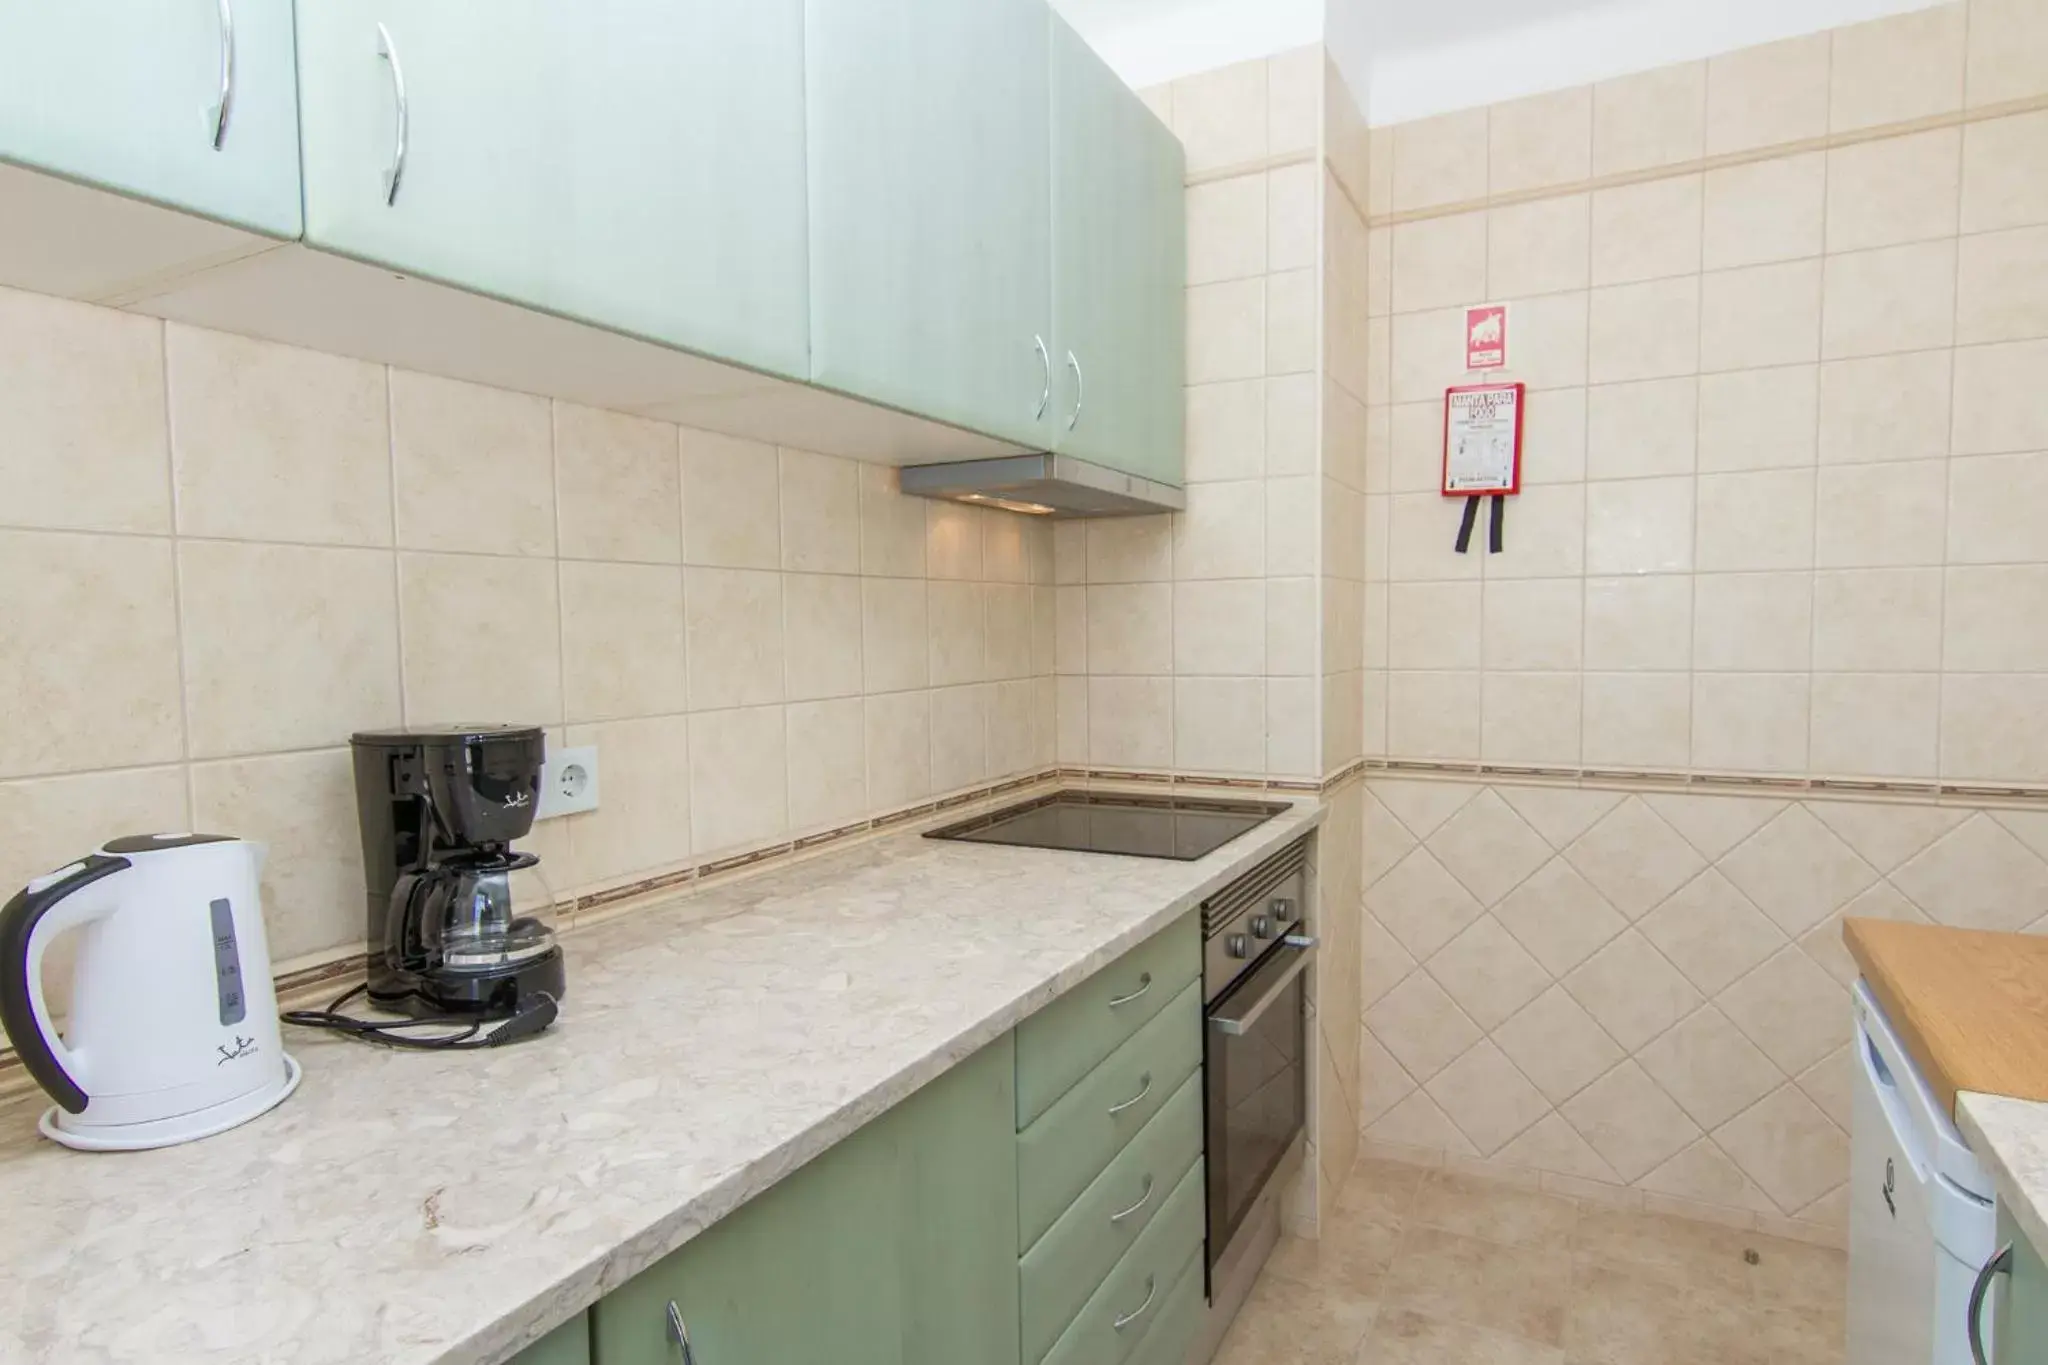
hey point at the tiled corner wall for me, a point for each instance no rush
(1782, 315)
(218, 557)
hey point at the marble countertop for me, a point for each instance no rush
(420, 1209)
(2011, 1138)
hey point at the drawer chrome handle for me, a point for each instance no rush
(1044, 368)
(1080, 391)
(1144, 984)
(1115, 1218)
(394, 175)
(679, 1333)
(1151, 1292)
(1135, 1100)
(219, 114)
(2001, 1264)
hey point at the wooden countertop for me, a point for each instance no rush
(1971, 1006)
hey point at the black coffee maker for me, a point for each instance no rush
(459, 925)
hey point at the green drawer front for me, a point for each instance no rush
(568, 1344)
(1074, 1140)
(1063, 1042)
(1148, 1272)
(1068, 1263)
(1176, 1322)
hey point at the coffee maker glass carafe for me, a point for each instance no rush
(479, 913)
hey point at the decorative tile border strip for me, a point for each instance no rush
(1720, 783)
(1257, 166)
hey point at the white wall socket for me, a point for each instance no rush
(568, 785)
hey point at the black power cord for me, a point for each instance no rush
(535, 1013)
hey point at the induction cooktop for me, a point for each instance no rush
(1181, 828)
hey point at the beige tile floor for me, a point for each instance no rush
(1440, 1268)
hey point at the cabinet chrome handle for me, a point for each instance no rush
(1135, 1100)
(218, 115)
(394, 175)
(1045, 369)
(1144, 984)
(1115, 1218)
(1080, 390)
(679, 1333)
(2000, 1264)
(1151, 1291)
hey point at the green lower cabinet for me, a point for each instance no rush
(568, 1344)
(2021, 1336)
(897, 1247)
(1176, 1322)
(1120, 1314)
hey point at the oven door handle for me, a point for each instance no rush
(1242, 1009)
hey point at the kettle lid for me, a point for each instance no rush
(161, 843)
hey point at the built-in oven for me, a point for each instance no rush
(1255, 951)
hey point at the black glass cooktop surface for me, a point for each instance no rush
(1100, 822)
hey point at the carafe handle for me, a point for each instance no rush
(30, 922)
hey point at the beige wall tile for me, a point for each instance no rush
(455, 611)
(731, 502)
(828, 783)
(1877, 620)
(1541, 247)
(956, 541)
(1530, 718)
(1554, 437)
(1130, 629)
(83, 409)
(1226, 430)
(1222, 534)
(644, 823)
(820, 513)
(328, 662)
(1434, 625)
(90, 651)
(1536, 624)
(1986, 423)
(1219, 724)
(1547, 347)
(1990, 510)
(1426, 355)
(1876, 724)
(1765, 211)
(1766, 95)
(1709, 1067)
(1226, 331)
(1758, 419)
(1761, 315)
(1293, 515)
(1439, 262)
(1540, 141)
(2005, 173)
(1010, 611)
(622, 641)
(1130, 550)
(1638, 526)
(1293, 312)
(1896, 299)
(1293, 641)
(896, 646)
(822, 626)
(1221, 115)
(1004, 559)
(1893, 407)
(1983, 606)
(1656, 118)
(1750, 722)
(1989, 727)
(739, 782)
(1292, 235)
(1881, 516)
(2008, 51)
(1226, 226)
(1440, 160)
(1903, 67)
(1291, 421)
(959, 633)
(1756, 521)
(891, 526)
(303, 806)
(1130, 721)
(1641, 429)
(1548, 533)
(1434, 715)
(1647, 231)
(732, 620)
(1896, 190)
(474, 467)
(1220, 628)
(1645, 331)
(53, 821)
(275, 443)
(2002, 286)
(618, 486)
(1638, 719)
(899, 748)
(1752, 622)
(1639, 623)
(1292, 735)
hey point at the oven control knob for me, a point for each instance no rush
(1262, 927)
(1283, 906)
(1237, 946)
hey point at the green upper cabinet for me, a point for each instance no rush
(1119, 270)
(127, 94)
(896, 1247)
(635, 166)
(930, 209)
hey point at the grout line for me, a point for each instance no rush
(189, 773)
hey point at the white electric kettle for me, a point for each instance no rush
(173, 1032)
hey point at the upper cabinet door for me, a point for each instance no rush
(635, 166)
(128, 94)
(1119, 270)
(931, 208)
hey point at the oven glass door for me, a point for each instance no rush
(1257, 1087)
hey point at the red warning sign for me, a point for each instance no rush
(1486, 337)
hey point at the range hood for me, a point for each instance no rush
(1058, 486)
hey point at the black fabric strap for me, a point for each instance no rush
(1465, 526)
(1498, 522)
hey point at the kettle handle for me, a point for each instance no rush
(27, 926)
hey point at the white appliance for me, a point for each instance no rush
(1921, 1216)
(172, 1033)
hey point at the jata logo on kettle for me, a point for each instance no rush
(519, 799)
